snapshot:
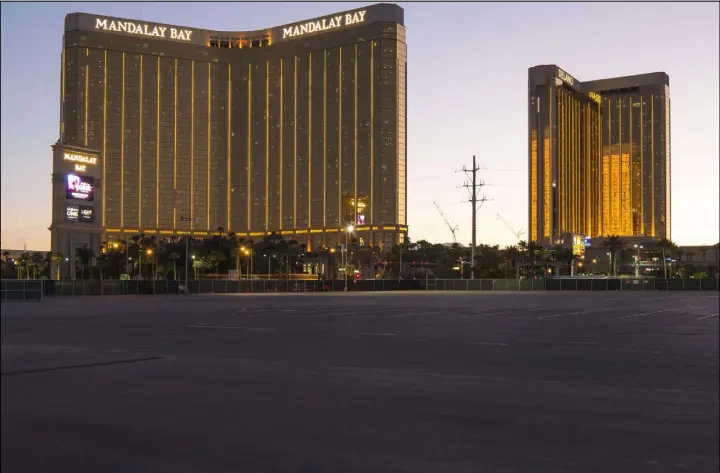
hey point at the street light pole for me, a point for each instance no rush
(347, 233)
(637, 260)
(187, 238)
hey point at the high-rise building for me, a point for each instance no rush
(168, 130)
(599, 155)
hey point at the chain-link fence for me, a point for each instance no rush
(36, 290)
(21, 290)
(574, 284)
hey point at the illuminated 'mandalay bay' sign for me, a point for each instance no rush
(143, 29)
(329, 23)
(565, 77)
(79, 158)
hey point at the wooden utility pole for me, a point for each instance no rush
(473, 187)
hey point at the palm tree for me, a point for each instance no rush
(23, 263)
(533, 248)
(103, 262)
(522, 248)
(7, 267)
(85, 256)
(667, 247)
(138, 241)
(53, 261)
(174, 257)
(565, 257)
(36, 259)
(511, 255)
(613, 243)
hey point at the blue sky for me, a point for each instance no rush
(467, 94)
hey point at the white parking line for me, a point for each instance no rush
(226, 327)
(553, 316)
(708, 316)
(644, 313)
(525, 311)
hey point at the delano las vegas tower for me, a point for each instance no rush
(599, 155)
(170, 130)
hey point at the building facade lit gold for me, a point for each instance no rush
(596, 174)
(243, 132)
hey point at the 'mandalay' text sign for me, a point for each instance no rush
(143, 29)
(329, 23)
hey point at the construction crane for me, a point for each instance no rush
(453, 229)
(517, 234)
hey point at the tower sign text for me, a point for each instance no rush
(79, 158)
(565, 77)
(143, 29)
(329, 23)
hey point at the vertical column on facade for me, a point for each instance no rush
(309, 143)
(229, 162)
(281, 150)
(148, 143)
(341, 161)
(331, 145)
(248, 176)
(347, 137)
(185, 146)
(364, 141)
(258, 142)
(131, 142)
(208, 154)
(217, 147)
(295, 142)
(273, 146)
(104, 135)
(317, 142)
(165, 146)
(303, 143)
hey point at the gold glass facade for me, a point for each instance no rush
(605, 167)
(252, 136)
(533, 186)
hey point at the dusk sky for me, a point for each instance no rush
(467, 94)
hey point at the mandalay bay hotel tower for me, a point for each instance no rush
(599, 155)
(171, 130)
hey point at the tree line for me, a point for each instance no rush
(149, 257)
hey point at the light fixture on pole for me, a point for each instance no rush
(637, 260)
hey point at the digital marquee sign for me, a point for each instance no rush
(79, 213)
(80, 187)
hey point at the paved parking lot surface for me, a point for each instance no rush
(403, 382)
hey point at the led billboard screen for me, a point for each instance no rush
(80, 187)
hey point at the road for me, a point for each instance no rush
(403, 382)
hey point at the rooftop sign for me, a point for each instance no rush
(143, 29)
(595, 96)
(565, 77)
(328, 23)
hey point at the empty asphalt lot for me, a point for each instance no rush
(404, 382)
